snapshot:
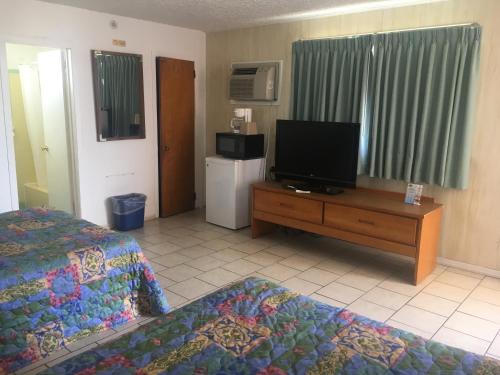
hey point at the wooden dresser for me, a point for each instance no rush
(367, 217)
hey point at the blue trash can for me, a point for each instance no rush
(128, 211)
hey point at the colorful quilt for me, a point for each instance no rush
(63, 278)
(257, 327)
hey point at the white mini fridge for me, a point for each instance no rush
(228, 190)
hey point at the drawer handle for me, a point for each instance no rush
(285, 205)
(366, 222)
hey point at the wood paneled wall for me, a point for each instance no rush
(471, 218)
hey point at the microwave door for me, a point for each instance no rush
(227, 145)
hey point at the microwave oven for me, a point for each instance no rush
(239, 146)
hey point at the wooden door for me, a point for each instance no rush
(175, 86)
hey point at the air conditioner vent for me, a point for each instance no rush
(241, 89)
(244, 71)
(254, 81)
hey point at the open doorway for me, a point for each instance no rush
(38, 88)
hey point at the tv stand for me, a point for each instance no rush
(367, 217)
(323, 189)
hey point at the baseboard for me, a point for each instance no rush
(468, 267)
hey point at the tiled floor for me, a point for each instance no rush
(193, 258)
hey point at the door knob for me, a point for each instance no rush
(44, 148)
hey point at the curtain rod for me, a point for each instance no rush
(391, 31)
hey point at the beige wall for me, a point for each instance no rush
(471, 223)
(25, 167)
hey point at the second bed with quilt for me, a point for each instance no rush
(257, 327)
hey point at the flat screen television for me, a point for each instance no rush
(319, 153)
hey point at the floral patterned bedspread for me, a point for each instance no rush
(257, 327)
(63, 278)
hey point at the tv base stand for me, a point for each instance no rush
(366, 217)
(322, 189)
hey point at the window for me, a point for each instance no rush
(412, 91)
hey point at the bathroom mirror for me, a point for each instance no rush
(118, 95)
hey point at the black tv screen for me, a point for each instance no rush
(317, 152)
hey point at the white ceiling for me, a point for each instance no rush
(216, 15)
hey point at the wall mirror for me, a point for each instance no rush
(118, 95)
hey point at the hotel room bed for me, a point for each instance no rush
(61, 279)
(257, 327)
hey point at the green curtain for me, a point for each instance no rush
(420, 104)
(119, 82)
(412, 91)
(329, 78)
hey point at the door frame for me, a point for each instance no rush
(7, 126)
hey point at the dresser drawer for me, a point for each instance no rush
(288, 206)
(371, 223)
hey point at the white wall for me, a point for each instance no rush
(6, 189)
(103, 169)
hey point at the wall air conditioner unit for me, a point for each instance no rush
(254, 81)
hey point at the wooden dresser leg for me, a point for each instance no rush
(428, 246)
(259, 228)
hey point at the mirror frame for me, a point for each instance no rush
(97, 96)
